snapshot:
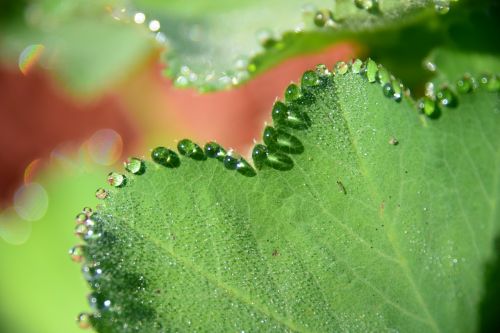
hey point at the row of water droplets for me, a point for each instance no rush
(435, 99)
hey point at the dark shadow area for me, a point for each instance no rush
(489, 309)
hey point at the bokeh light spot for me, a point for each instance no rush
(31, 201)
(29, 57)
(105, 146)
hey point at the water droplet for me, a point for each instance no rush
(279, 161)
(116, 179)
(371, 70)
(428, 106)
(190, 149)
(445, 97)
(265, 37)
(139, 18)
(357, 66)
(322, 17)
(289, 116)
(81, 218)
(341, 68)
(31, 202)
(430, 66)
(442, 6)
(393, 141)
(83, 320)
(29, 57)
(76, 253)
(165, 157)
(81, 230)
(135, 165)
(310, 79)
(101, 193)
(214, 150)
(244, 168)
(383, 75)
(98, 301)
(154, 25)
(465, 84)
(87, 211)
(105, 146)
(398, 90)
(388, 90)
(231, 160)
(492, 83)
(322, 71)
(281, 140)
(366, 4)
(259, 155)
(91, 272)
(292, 93)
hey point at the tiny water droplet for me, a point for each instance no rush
(81, 230)
(244, 168)
(76, 253)
(101, 194)
(231, 160)
(429, 90)
(279, 161)
(81, 218)
(214, 150)
(265, 37)
(428, 106)
(289, 116)
(465, 84)
(365, 4)
(134, 165)
(383, 75)
(341, 68)
(398, 90)
(393, 141)
(139, 18)
(87, 211)
(442, 6)
(430, 66)
(83, 320)
(322, 17)
(165, 157)
(190, 149)
(310, 79)
(357, 66)
(388, 90)
(371, 70)
(259, 155)
(445, 97)
(98, 302)
(154, 25)
(493, 83)
(281, 140)
(292, 93)
(91, 272)
(116, 179)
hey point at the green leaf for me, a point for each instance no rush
(213, 45)
(384, 221)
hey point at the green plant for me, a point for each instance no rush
(363, 208)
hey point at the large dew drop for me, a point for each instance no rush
(281, 140)
(165, 157)
(214, 150)
(190, 149)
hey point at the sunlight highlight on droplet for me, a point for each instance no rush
(154, 25)
(139, 18)
(31, 201)
(29, 57)
(14, 230)
(105, 146)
